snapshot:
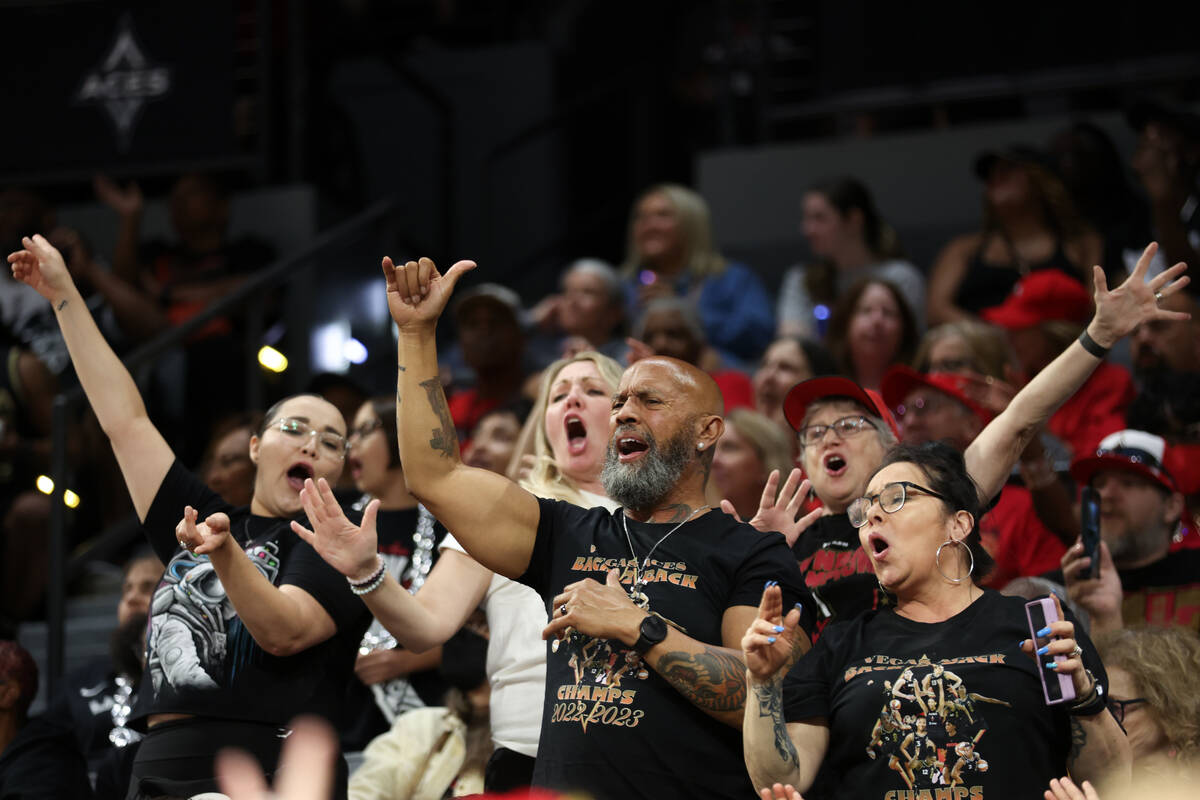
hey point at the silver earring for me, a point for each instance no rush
(937, 560)
(700, 446)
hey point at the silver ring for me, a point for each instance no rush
(1158, 296)
(562, 610)
(1077, 652)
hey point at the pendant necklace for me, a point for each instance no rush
(636, 594)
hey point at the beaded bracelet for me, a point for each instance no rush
(372, 583)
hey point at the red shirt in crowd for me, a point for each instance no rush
(1018, 541)
(1095, 411)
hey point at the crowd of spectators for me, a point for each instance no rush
(858, 352)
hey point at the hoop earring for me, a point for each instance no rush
(937, 560)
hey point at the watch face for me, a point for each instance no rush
(654, 628)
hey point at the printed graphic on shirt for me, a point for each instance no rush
(930, 729)
(193, 626)
(607, 675)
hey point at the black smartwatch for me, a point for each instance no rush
(653, 631)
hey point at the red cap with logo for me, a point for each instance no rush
(899, 381)
(800, 396)
(1043, 296)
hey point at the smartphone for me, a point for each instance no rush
(1090, 518)
(1056, 688)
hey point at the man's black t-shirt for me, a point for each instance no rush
(200, 659)
(837, 570)
(612, 727)
(915, 709)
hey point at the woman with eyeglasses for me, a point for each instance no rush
(844, 432)
(1154, 693)
(248, 627)
(974, 717)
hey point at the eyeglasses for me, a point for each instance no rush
(1117, 707)
(891, 499)
(844, 427)
(365, 430)
(334, 443)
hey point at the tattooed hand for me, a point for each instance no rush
(417, 293)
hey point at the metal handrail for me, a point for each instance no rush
(278, 273)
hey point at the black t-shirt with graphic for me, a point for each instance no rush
(612, 727)
(837, 571)
(200, 658)
(919, 709)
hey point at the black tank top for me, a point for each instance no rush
(987, 284)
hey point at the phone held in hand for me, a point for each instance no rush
(1056, 687)
(1090, 518)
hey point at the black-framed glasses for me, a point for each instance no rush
(1118, 707)
(844, 427)
(334, 443)
(891, 499)
(364, 430)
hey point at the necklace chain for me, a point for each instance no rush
(639, 573)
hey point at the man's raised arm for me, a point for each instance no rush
(494, 519)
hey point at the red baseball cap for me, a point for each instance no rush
(900, 380)
(1129, 451)
(1042, 296)
(800, 396)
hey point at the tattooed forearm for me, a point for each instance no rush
(442, 439)
(1078, 740)
(770, 706)
(62, 304)
(712, 680)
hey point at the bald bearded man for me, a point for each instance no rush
(645, 687)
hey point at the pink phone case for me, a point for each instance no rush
(1066, 687)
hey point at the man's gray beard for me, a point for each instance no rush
(1138, 543)
(643, 484)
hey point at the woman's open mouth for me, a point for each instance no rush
(297, 474)
(877, 546)
(577, 440)
(835, 464)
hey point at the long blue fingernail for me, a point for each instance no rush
(1043, 650)
(1044, 631)
(1020, 644)
(779, 629)
(800, 606)
(770, 640)
(1051, 665)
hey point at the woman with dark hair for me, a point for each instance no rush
(872, 328)
(844, 432)
(1030, 224)
(787, 361)
(249, 627)
(949, 665)
(850, 241)
(398, 679)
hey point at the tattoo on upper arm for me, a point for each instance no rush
(62, 304)
(1078, 740)
(770, 705)
(401, 368)
(442, 439)
(712, 680)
